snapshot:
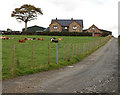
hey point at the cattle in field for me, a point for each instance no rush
(29, 38)
(25, 38)
(4, 38)
(12, 38)
(40, 39)
(60, 39)
(34, 38)
(53, 40)
(22, 41)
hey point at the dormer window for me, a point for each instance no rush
(74, 27)
(55, 27)
(66, 28)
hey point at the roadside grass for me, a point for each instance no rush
(23, 53)
(119, 41)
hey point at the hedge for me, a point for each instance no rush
(58, 33)
(53, 33)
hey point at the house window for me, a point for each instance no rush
(55, 27)
(74, 27)
(66, 28)
(93, 28)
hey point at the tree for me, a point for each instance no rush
(9, 30)
(26, 13)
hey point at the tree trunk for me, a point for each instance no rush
(25, 26)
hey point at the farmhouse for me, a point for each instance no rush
(66, 25)
(96, 32)
(69, 25)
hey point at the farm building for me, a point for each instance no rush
(106, 32)
(96, 32)
(66, 25)
(34, 28)
(47, 29)
(2, 32)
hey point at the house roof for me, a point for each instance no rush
(47, 29)
(66, 22)
(105, 31)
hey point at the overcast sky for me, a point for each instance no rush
(102, 13)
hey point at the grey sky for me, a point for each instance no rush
(102, 13)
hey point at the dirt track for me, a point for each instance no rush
(97, 73)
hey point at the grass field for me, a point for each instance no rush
(73, 49)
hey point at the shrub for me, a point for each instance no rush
(64, 33)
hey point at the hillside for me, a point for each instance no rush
(34, 28)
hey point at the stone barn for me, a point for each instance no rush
(96, 32)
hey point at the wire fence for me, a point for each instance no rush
(24, 59)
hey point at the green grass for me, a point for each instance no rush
(119, 40)
(23, 53)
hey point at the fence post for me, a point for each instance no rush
(69, 52)
(76, 49)
(32, 56)
(64, 52)
(13, 59)
(79, 48)
(87, 47)
(57, 54)
(83, 48)
(73, 50)
(48, 53)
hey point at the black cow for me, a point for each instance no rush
(53, 40)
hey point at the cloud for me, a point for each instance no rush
(99, 2)
(65, 5)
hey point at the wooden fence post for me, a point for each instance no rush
(48, 53)
(13, 59)
(87, 47)
(32, 56)
(76, 49)
(69, 51)
(64, 52)
(79, 48)
(73, 50)
(83, 48)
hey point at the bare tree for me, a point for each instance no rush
(26, 13)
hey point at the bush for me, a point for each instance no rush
(64, 33)
(12, 33)
(28, 33)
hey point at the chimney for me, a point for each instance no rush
(71, 18)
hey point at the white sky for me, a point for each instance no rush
(102, 13)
